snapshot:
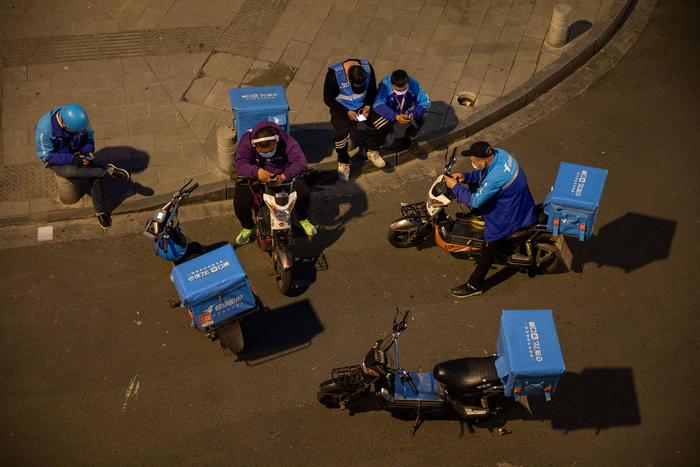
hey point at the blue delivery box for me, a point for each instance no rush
(572, 205)
(214, 288)
(255, 104)
(529, 359)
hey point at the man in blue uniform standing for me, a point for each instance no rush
(499, 191)
(65, 142)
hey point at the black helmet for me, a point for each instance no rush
(480, 149)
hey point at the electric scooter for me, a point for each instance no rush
(274, 227)
(471, 389)
(534, 248)
(167, 237)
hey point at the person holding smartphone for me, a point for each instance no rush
(270, 155)
(349, 91)
(400, 99)
(66, 144)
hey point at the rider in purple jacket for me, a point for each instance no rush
(270, 155)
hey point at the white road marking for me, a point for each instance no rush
(132, 391)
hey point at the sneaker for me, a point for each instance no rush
(465, 290)
(308, 227)
(343, 171)
(118, 173)
(245, 236)
(104, 220)
(375, 158)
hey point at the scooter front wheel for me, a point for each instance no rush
(403, 239)
(329, 394)
(284, 278)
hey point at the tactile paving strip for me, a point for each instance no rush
(21, 182)
(245, 35)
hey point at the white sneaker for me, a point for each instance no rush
(376, 159)
(343, 171)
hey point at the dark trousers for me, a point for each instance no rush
(380, 127)
(244, 200)
(92, 173)
(484, 262)
(342, 125)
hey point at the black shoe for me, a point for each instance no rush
(104, 220)
(465, 290)
(118, 173)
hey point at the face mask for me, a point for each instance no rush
(400, 93)
(267, 155)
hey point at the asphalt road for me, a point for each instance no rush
(97, 370)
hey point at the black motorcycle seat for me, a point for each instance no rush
(518, 234)
(464, 375)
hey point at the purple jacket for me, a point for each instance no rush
(289, 159)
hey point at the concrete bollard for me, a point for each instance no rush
(226, 148)
(559, 26)
(70, 190)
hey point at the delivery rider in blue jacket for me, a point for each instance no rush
(400, 99)
(349, 91)
(497, 189)
(65, 143)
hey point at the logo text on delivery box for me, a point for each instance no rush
(579, 182)
(533, 341)
(210, 269)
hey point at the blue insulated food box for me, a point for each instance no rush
(529, 359)
(253, 105)
(214, 287)
(572, 205)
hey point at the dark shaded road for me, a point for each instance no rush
(97, 370)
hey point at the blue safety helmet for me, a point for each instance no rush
(74, 118)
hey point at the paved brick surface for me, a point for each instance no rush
(154, 75)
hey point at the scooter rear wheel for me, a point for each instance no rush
(547, 260)
(403, 239)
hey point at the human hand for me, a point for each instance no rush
(459, 177)
(264, 176)
(365, 111)
(400, 118)
(450, 181)
(277, 179)
(352, 115)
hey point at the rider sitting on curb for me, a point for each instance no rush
(270, 155)
(498, 189)
(65, 143)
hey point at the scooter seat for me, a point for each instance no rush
(465, 375)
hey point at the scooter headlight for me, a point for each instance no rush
(160, 215)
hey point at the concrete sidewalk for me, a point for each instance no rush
(154, 75)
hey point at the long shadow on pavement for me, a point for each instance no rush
(131, 159)
(629, 242)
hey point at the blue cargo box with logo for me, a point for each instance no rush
(214, 288)
(529, 359)
(255, 104)
(572, 205)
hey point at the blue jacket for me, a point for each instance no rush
(55, 145)
(388, 105)
(502, 196)
(346, 96)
